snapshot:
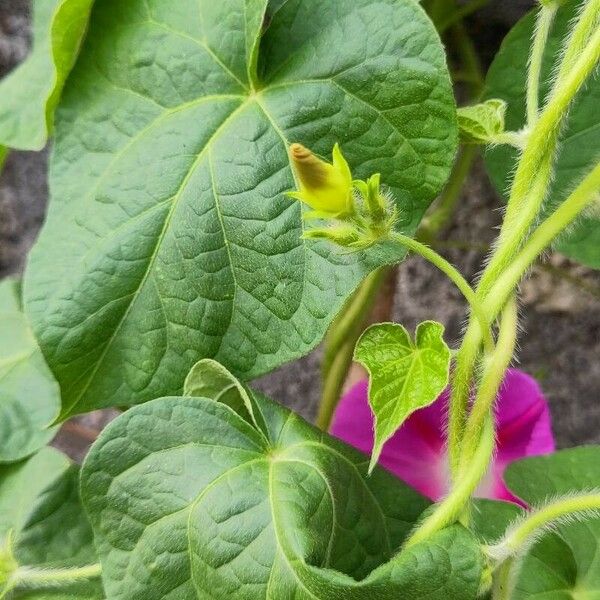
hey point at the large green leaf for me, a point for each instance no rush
(580, 142)
(29, 395)
(40, 504)
(29, 95)
(567, 568)
(189, 500)
(169, 237)
(404, 376)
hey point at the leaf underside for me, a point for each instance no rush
(188, 500)
(169, 237)
(29, 95)
(579, 142)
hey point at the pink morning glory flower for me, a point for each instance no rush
(417, 452)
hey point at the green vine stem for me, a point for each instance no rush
(525, 531)
(578, 39)
(545, 19)
(491, 381)
(528, 192)
(35, 578)
(584, 195)
(454, 275)
(450, 509)
(542, 142)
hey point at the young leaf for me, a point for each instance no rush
(481, 123)
(403, 375)
(215, 509)
(49, 529)
(29, 95)
(579, 146)
(210, 379)
(569, 567)
(169, 236)
(29, 395)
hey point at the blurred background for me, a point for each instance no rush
(560, 341)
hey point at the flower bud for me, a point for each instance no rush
(325, 187)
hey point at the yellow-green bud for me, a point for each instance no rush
(325, 187)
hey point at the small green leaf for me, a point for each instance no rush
(216, 509)
(481, 123)
(579, 145)
(560, 568)
(404, 375)
(29, 395)
(169, 236)
(29, 95)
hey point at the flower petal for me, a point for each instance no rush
(524, 427)
(416, 453)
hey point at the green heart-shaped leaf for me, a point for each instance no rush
(189, 500)
(169, 236)
(29, 95)
(29, 395)
(580, 143)
(403, 375)
(567, 567)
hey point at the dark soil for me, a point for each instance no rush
(560, 343)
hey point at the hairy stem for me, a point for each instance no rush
(454, 275)
(542, 141)
(33, 578)
(480, 445)
(578, 39)
(545, 19)
(499, 292)
(529, 189)
(491, 381)
(450, 509)
(521, 535)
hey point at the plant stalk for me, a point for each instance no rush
(35, 578)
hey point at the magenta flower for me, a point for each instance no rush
(417, 452)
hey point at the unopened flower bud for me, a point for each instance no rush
(325, 187)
